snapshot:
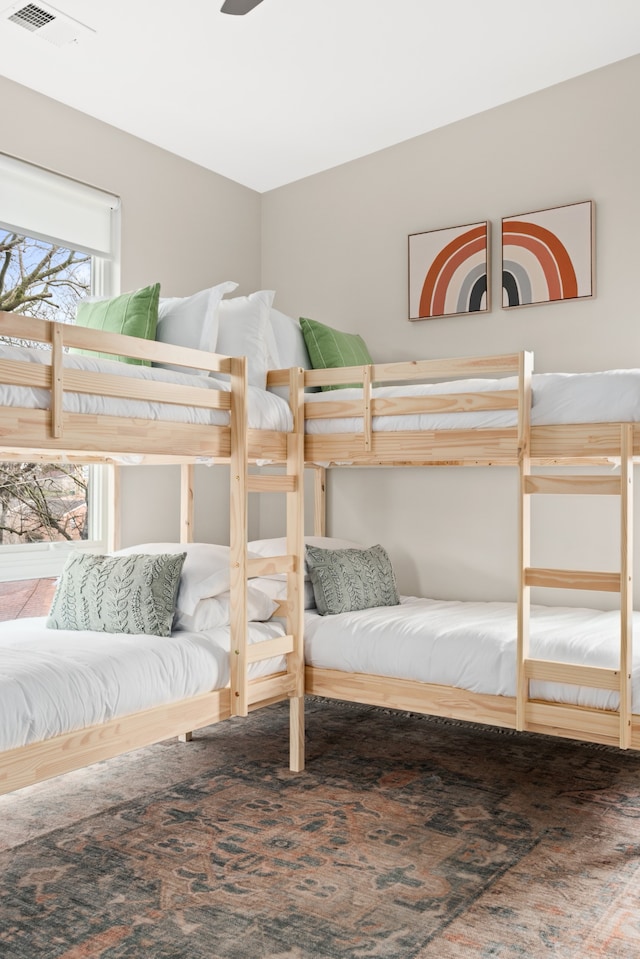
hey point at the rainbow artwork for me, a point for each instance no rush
(548, 255)
(448, 271)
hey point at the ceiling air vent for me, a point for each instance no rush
(47, 22)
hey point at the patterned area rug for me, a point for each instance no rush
(406, 838)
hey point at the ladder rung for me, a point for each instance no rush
(268, 648)
(268, 565)
(573, 579)
(572, 673)
(271, 484)
(595, 725)
(603, 485)
(283, 684)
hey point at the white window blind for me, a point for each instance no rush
(53, 207)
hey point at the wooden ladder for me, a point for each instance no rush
(587, 724)
(245, 694)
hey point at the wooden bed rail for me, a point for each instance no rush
(55, 432)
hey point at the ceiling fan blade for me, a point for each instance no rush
(239, 7)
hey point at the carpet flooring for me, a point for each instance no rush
(406, 838)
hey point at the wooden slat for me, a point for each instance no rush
(39, 761)
(573, 485)
(590, 725)
(271, 484)
(572, 673)
(417, 370)
(417, 697)
(279, 686)
(22, 429)
(410, 447)
(573, 579)
(580, 441)
(78, 337)
(412, 405)
(269, 648)
(268, 565)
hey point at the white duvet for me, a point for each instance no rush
(266, 411)
(470, 645)
(55, 681)
(608, 397)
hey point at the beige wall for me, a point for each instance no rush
(335, 248)
(182, 225)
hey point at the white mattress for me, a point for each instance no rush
(470, 645)
(608, 397)
(266, 411)
(55, 681)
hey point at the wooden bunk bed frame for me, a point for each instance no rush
(53, 434)
(521, 446)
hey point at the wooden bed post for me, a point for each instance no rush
(626, 581)
(187, 475)
(239, 466)
(524, 533)
(295, 578)
(319, 501)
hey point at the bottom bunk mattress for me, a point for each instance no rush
(55, 681)
(471, 646)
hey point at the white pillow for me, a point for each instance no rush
(286, 342)
(191, 321)
(216, 611)
(277, 589)
(205, 571)
(242, 331)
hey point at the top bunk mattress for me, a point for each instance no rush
(611, 396)
(265, 411)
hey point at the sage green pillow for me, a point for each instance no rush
(345, 580)
(118, 594)
(331, 349)
(134, 314)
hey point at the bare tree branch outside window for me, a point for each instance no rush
(41, 501)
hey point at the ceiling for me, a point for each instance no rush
(299, 86)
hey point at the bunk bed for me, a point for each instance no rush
(484, 411)
(57, 405)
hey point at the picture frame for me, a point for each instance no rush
(548, 255)
(449, 271)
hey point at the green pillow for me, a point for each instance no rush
(345, 580)
(118, 594)
(134, 314)
(330, 349)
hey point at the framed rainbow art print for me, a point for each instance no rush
(548, 255)
(449, 271)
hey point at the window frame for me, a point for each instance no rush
(19, 561)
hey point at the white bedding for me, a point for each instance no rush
(55, 681)
(470, 645)
(606, 397)
(266, 411)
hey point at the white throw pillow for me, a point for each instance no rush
(191, 321)
(205, 571)
(287, 342)
(216, 611)
(242, 331)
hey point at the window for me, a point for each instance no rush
(58, 243)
